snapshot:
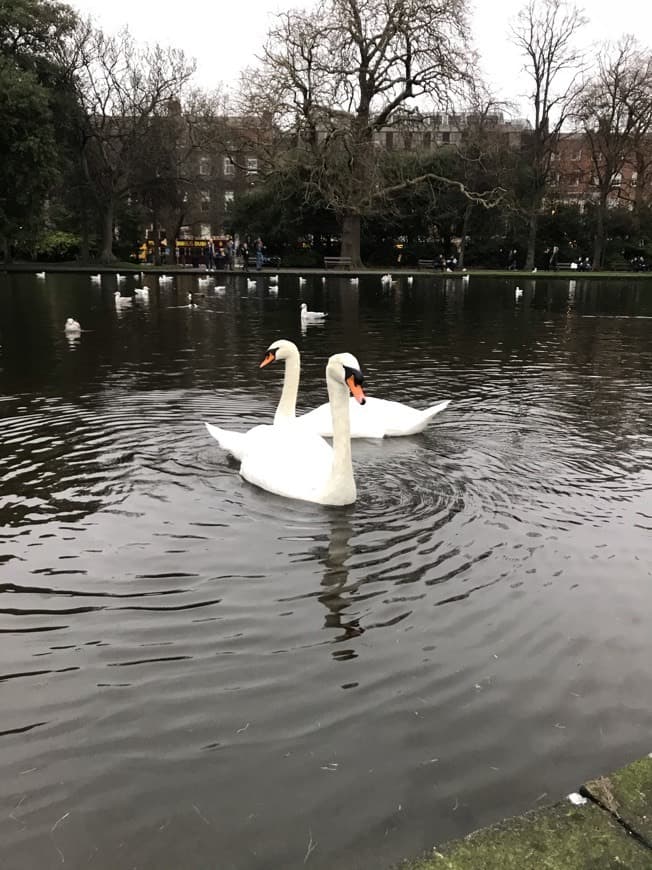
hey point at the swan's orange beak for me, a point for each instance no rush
(269, 358)
(356, 390)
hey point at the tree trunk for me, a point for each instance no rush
(6, 249)
(599, 238)
(157, 243)
(532, 240)
(350, 246)
(107, 255)
(84, 242)
(465, 226)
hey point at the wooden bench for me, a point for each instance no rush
(427, 264)
(337, 262)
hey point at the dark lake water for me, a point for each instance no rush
(195, 673)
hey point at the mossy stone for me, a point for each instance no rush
(627, 794)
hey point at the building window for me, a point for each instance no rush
(228, 198)
(229, 167)
(634, 179)
(204, 166)
(252, 165)
(446, 138)
(205, 200)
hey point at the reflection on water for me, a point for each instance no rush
(192, 666)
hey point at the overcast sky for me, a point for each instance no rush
(225, 37)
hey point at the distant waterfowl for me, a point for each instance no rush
(273, 289)
(121, 301)
(251, 284)
(72, 327)
(220, 288)
(410, 280)
(164, 279)
(311, 316)
(141, 292)
(323, 279)
(40, 274)
(96, 278)
(518, 293)
(302, 282)
(273, 279)
(386, 279)
(119, 277)
(299, 464)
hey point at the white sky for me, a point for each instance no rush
(224, 38)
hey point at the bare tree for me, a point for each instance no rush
(615, 115)
(120, 88)
(545, 32)
(334, 80)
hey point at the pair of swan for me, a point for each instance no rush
(288, 461)
(291, 458)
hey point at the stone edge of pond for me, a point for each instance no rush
(129, 268)
(607, 824)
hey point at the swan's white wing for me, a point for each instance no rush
(320, 421)
(287, 461)
(377, 418)
(399, 419)
(232, 442)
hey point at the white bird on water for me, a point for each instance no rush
(518, 293)
(96, 278)
(72, 327)
(302, 282)
(121, 301)
(251, 284)
(410, 280)
(119, 277)
(141, 292)
(273, 279)
(311, 316)
(40, 274)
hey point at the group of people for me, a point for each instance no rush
(227, 256)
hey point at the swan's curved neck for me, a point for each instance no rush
(341, 480)
(287, 405)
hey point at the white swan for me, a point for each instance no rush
(121, 301)
(311, 316)
(251, 284)
(273, 279)
(290, 462)
(40, 274)
(72, 327)
(379, 418)
(220, 288)
(410, 280)
(96, 278)
(518, 294)
(141, 292)
(273, 289)
(302, 282)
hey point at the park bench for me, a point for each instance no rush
(337, 262)
(427, 264)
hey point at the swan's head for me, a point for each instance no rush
(344, 368)
(281, 349)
